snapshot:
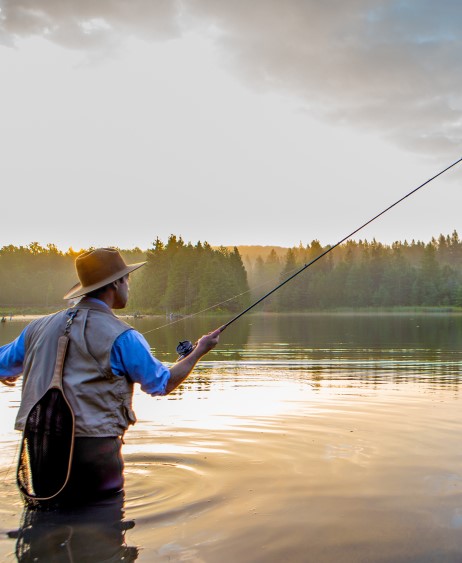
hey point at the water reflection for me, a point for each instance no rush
(95, 532)
(375, 331)
(397, 332)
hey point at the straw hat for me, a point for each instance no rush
(97, 268)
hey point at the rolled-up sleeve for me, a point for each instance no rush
(12, 356)
(131, 357)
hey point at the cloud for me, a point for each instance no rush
(391, 66)
(87, 24)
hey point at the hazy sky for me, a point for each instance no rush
(235, 122)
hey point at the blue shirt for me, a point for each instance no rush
(130, 357)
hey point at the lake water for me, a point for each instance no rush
(310, 438)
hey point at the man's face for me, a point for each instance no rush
(123, 290)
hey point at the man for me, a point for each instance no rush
(104, 358)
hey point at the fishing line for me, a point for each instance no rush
(223, 327)
(185, 317)
(191, 315)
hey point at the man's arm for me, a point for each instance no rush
(131, 356)
(180, 371)
(11, 360)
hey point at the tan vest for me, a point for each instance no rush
(101, 400)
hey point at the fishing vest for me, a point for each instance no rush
(101, 400)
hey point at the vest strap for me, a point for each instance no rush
(57, 381)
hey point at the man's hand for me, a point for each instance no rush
(9, 381)
(208, 342)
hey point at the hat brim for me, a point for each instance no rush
(78, 290)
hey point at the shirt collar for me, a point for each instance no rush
(95, 300)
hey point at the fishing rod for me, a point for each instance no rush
(185, 347)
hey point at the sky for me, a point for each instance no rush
(235, 123)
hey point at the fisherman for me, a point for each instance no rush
(104, 359)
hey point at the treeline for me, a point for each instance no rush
(182, 278)
(178, 277)
(365, 274)
(35, 277)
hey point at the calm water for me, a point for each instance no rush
(301, 439)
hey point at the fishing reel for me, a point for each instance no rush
(184, 348)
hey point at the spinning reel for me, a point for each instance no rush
(184, 348)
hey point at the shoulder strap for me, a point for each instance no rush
(57, 381)
(63, 341)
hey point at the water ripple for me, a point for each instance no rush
(179, 488)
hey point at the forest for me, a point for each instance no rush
(362, 274)
(182, 278)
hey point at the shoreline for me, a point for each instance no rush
(33, 316)
(28, 317)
